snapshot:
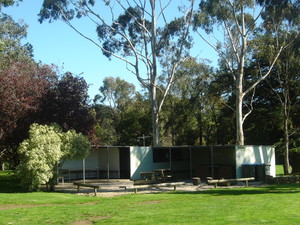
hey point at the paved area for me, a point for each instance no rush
(112, 187)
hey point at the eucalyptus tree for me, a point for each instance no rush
(284, 85)
(12, 34)
(7, 3)
(235, 23)
(138, 33)
(118, 95)
(116, 92)
(188, 119)
(284, 80)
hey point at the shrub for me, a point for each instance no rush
(44, 151)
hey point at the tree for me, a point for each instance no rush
(284, 86)
(44, 151)
(106, 125)
(133, 37)
(125, 119)
(11, 36)
(134, 127)
(189, 112)
(7, 3)
(238, 29)
(67, 104)
(284, 22)
(116, 92)
(22, 86)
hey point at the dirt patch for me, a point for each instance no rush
(12, 206)
(87, 203)
(100, 218)
(150, 202)
(83, 222)
(90, 221)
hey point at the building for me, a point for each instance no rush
(126, 162)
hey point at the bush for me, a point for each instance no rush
(44, 151)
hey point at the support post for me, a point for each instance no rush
(107, 163)
(83, 170)
(191, 167)
(170, 156)
(212, 161)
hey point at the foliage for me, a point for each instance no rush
(39, 155)
(11, 36)
(107, 120)
(239, 26)
(45, 148)
(133, 34)
(22, 87)
(116, 92)
(74, 145)
(6, 3)
(66, 104)
(126, 119)
(135, 124)
(189, 100)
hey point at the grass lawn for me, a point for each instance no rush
(279, 170)
(278, 204)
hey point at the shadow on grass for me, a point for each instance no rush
(272, 189)
(9, 183)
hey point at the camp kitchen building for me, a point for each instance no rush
(119, 162)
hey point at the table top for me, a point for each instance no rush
(147, 172)
(159, 170)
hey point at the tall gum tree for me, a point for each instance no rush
(234, 24)
(137, 32)
(285, 76)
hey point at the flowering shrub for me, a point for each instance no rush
(42, 153)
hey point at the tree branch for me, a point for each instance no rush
(267, 74)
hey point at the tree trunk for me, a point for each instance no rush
(239, 113)
(286, 141)
(153, 75)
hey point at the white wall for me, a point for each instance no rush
(72, 164)
(98, 158)
(91, 162)
(114, 159)
(141, 159)
(253, 155)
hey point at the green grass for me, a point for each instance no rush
(279, 170)
(268, 205)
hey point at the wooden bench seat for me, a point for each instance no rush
(94, 186)
(228, 181)
(136, 187)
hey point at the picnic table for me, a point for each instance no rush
(163, 174)
(94, 186)
(137, 187)
(228, 181)
(155, 176)
(147, 175)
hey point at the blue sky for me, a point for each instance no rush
(56, 43)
